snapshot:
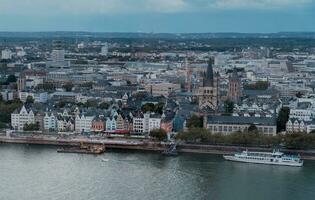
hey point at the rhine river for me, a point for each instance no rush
(38, 173)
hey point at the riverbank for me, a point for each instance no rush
(143, 145)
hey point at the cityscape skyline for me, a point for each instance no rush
(177, 16)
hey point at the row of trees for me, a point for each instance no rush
(150, 107)
(10, 79)
(6, 108)
(259, 85)
(249, 138)
(31, 127)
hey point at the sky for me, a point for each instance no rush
(167, 16)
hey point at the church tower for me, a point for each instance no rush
(208, 93)
(234, 93)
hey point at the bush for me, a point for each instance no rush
(158, 134)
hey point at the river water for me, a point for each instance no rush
(38, 173)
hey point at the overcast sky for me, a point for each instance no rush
(158, 15)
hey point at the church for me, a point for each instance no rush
(208, 93)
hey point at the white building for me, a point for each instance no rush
(111, 124)
(50, 121)
(58, 55)
(19, 119)
(83, 123)
(7, 95)
(6, 54)
(146, 123)
(40, 97)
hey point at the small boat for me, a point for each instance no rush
(105, 160)
(269, 158)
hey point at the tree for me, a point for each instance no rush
(46, 86)
(228, 107)
(158, 108)
(259, 85)
(29, 100)
(158, 134)
(283, 118)
(11, 79)
(68, 87)
(31, 127)
(195, 122)
(103, 106)
(148, 107)
(252, 128)
(91, 103)
(299, 95)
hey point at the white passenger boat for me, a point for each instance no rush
(273, 158)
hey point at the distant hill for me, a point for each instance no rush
(308, 35)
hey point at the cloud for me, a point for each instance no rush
(111, 7)
(258, 4)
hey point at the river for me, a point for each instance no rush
(38, 172)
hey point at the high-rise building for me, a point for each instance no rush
(58, 53)
(208, 93)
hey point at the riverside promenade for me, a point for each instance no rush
(136, 144)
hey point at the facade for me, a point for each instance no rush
(50, 121)
(121, 123)
(160, 88)
(83, 123)
(65, 124)
(230, 124)
(111, 124)
(19, 119)
(98, 125)
(144, 123)
(295, 125)
(40, 97)
(208, 93)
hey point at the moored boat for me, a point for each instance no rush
(270, 158)
(87, 149)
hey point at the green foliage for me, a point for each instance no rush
(252, 128)
(103, 106)
(254, 138)
(29, 100)
(158, 134)
(88, 85)
(199, 135)
(46, 86)
(228, 107)
(150, 107)
(6, 108)
(299, 141)
(259, 85)
(31, 127)
(11, 79)
(283, 118)
(158, 108)
(68, 87)
(195, 122)
(91, 103)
